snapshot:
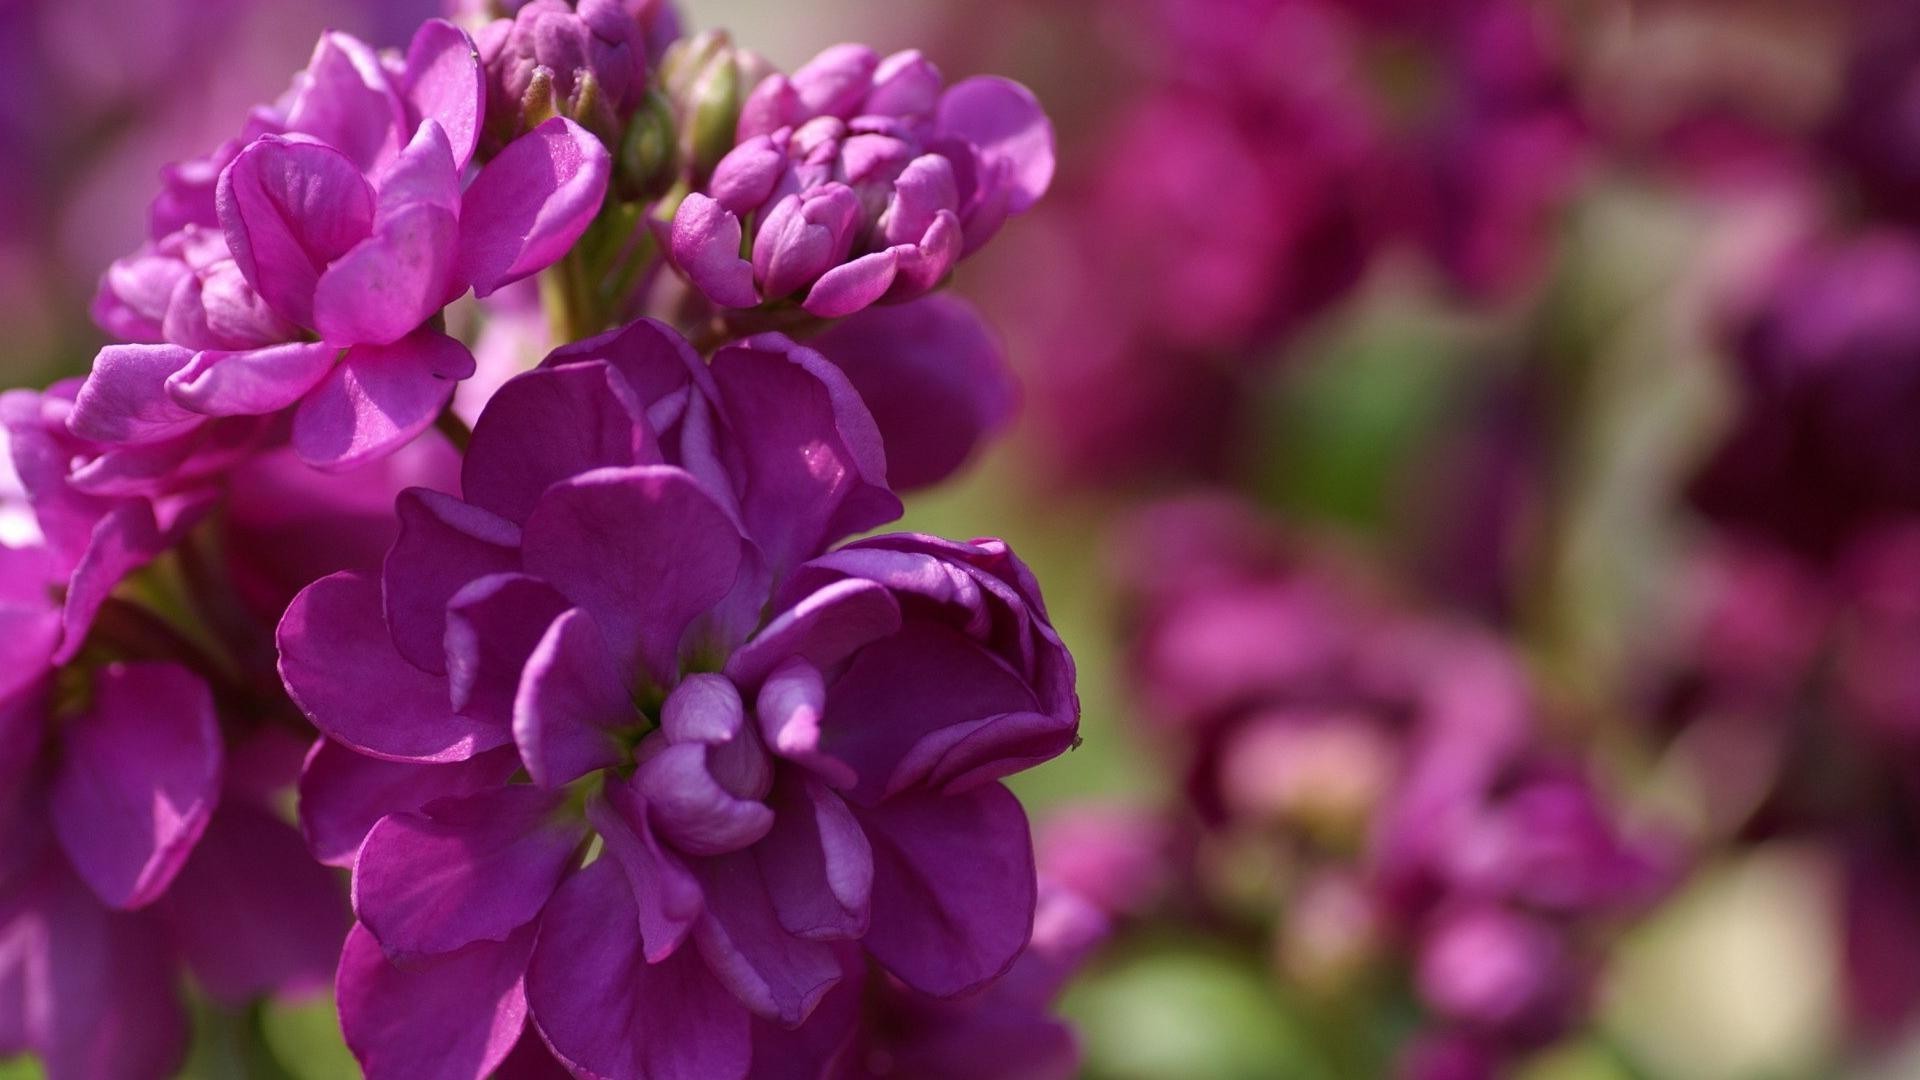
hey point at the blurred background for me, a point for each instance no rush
(1472, 448)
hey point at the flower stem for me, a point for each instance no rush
(450, 424)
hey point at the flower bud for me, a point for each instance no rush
(649, 158)
(593, 51)
(707, 78)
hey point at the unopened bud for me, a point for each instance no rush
(649, 160)
(705, 76)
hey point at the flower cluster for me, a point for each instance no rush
(1397, 760)
(623, 740)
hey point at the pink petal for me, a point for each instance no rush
(706, 247)
(378, 399)
(139, 776)
(1006, 123)
(251, 383)
(851, 286)
(346, 99)
(391, 282)
(446, 84)
(124, 399)
(529, 205)
(289, 208)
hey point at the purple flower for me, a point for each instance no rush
(860, 179)
(936, 378)
(624, 685)
(344, 228)
(595, 42)
(1821, 448)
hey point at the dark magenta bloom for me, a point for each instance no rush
(625, 685)
(340, 227)
(859, 179)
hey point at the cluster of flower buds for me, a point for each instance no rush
(639, 766)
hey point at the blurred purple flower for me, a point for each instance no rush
(759, 788)
(863, 179)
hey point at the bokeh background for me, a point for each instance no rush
(1537, 314)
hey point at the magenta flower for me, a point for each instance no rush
(345, 226)
(861, 179)
(624, 685)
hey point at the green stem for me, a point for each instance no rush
(134, 633)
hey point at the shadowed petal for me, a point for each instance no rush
(343, 793)
(572, 700)
(443, 545)
(452, 1017)
(547, 425)
(378, 399)
(773, 973)
(139, 776)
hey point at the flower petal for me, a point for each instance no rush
(251, 383)
(953, 887)
(573, 698)
(816, 862)
(446, 84)
(493, 627)
(463, 869)
(378, 399)
(341, 669)
(289, 208)
(530, 204)
(387, 285)
(773, 973)
(824, 628)
(452, 1017)
(124, 399)
(139, 777)
(666, 895)
(1005, 122)
(605, 1011)
(935, 378)
(855, 285)
(705, 245)
(443, 545)
(344, 793)
(252, 913)
(547, 425)
(644, 550)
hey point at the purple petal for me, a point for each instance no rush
(123, 540)
(391, 282)
(572, 702)
(792, 703)
(814, 467)
(124, 399)
(547, 425)
(252, 913)
(493, 626)
(605, 1011)
(106, 1002)
(378, 399)
(930, 693)
(706, 247)
(452, 1017)
(936, 380)
(341, 669)
(852, 286)
(139, 777)
(835, 82)
(816, 862)
(446, 84)
(290, 208)
(464, 869)
(344, 793)
(773, 973)
(953, 887)
(743, 180)
(645, 550)
(691, 808)
(666, 895)
(824, 628)
(655, 360)
(424, 174)
(803, 236)
(1005, 122)
(251, 383)
(443, 545)
(529, 205)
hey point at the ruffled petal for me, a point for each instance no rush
(547, 425)
(344, 793)
(443, 545)
(452, 1017)
(289, 208)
